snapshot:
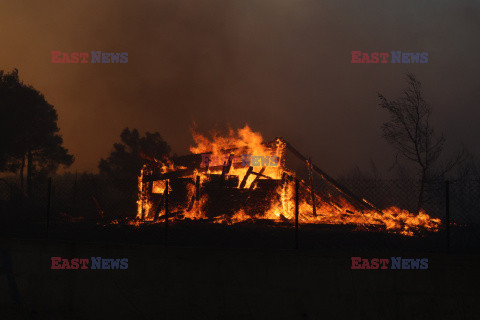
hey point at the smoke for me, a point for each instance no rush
(281, 66)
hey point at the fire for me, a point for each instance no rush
(244, 182)
(246, 142)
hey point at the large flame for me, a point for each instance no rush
(246, 142)
(282, 203)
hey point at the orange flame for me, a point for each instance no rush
(282, 203)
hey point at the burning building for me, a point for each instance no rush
(239, 177)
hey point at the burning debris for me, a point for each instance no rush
(240, 178)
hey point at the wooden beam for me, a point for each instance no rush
(197, 189)
(179, 173)
(261, 175)
(244, 181)
(158, 208)
(297, 200)
(254, 182)
(166, 212)
(227, 166)
(190, 204)
(330, 180)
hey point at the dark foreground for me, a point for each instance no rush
(211, 279)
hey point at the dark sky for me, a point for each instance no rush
(282, 66)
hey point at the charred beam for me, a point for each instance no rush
(158, 208)
(179, 173)
(244, 181)
(190, 204)
(297, 196)
(254, 182)
(168, 175)
(171, 214)
(166, 211)
(227, 166)
(261, 175)
(197, 189)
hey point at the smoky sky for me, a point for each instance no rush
(281, 66)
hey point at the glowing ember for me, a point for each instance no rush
(198, 187)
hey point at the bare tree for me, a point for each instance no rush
(409, 130)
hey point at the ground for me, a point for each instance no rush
(225, 282)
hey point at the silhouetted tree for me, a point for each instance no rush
(128, 156)
(409, 130)
(29, 134)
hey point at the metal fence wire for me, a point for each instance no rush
(98, 198)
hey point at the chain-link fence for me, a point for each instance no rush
(464, 197)
(94, 198)
(404, 194)
(72, 198)
(464, 212)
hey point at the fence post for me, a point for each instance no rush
(49, 191)
(312, 193)
(142, 197)
(166, 211)
(447, 212)
(296, 212)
